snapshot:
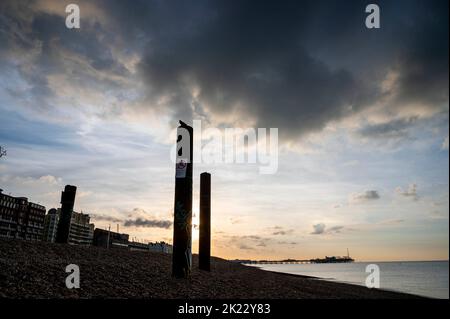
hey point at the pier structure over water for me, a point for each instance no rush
(326, 260)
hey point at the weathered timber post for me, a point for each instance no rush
(67, 203)
(204, 249)
(182, 226)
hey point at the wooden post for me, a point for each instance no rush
(109, 234)
(67, 203)
(182, 226)
(204, 249)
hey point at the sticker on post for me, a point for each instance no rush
(181, 167)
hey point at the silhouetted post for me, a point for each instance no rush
(204, 249)
(109, 236)
(67, 202)
(182, 226)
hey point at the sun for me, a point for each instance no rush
(195, 224)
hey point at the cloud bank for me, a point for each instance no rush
(269, 67)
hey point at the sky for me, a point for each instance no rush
(362, 117)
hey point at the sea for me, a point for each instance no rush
(424, 278)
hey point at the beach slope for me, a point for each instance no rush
(37, 270)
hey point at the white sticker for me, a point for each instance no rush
(181, 168)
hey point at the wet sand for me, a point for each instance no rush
(37, 270)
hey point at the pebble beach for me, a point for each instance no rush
(37, 270)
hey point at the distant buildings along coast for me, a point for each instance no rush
(81, 231)
(21, 219)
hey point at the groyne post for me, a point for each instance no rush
(182, 226)
(67, 203)
(204, 249)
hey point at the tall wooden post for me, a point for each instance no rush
(67, 203)
(182, 226)
(204, 249)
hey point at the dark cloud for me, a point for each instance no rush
(321, 228)
(410, 192)
(287, 243)
(279, 231)
(38, 45)
(107, 218)
(423, 67)
(134, 221)
(261, 64)
(367, 195)
(249, 58)
(141, 222)
(138, 217)
(252, 237)
(318, 229)
(393, 129)
(93, 44)
(283, 232)
(335, 229)
(248, 241)
(245, 247)
(295, 65)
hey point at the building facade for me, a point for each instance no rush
(135, 245)
(51, 225)
(161, 247)
(20, 218)
(81, 231)
(108, 239)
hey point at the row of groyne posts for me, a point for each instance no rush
(182, 226)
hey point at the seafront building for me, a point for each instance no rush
(136, 245)
(81, 231)
(161, 247)
(50, 225)
(108, 239)
(20, 218)
(64, 225)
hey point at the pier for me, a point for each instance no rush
(326, 260)
(267, 262)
